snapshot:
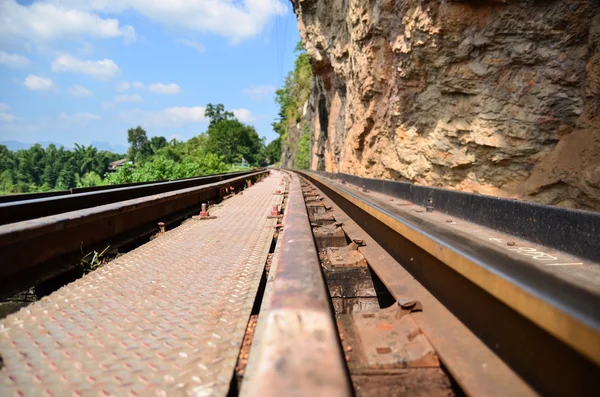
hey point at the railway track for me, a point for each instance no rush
(503, 314)
(19, 208)
(43, 238)
(309, 284)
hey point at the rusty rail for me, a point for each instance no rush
(39, 249)
(76, 190)
(542, 321)
(299, 352)
(39, 205)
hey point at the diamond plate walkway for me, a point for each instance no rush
(166, 319)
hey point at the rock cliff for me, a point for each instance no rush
(494, 97)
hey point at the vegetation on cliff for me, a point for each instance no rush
(291, 98)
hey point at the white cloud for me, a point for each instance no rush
(56, 19)
(4, 107)
(128, 98)
(161, 88)
(125, 85)
(78, 118)
(260, 92)
(170, 117)
(37, 83)
(13, 60)
(157, 88)
(106, 105)
(198, 46)
(6, 117)
(244, 115)
(105, 69)
(236, 20)
(80, 91)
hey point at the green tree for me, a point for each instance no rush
(272, 153)
(90, 179)
(302, 156)
(217, 113)
(139, 146)
(291, 98)
(157, 143)
(234, 140)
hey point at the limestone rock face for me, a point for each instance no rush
(494, 97)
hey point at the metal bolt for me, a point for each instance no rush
(204, 210)
(275, 211)
(364, 189)
(511, 243)
(161, 227)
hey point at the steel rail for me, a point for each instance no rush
(13, 198)
(37, 249)
(7, 198)
(18, 211)
(576, 232)
(299, 352)
(566, 311)
(474, 366)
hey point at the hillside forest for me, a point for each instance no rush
(224, 144)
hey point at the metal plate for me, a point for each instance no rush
(166, 319)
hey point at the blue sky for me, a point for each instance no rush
(82, 71)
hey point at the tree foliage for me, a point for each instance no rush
(139, 146)
(291, 99)
(226, 141)
(303, 153)
(38, 169)
(272, 151)
(217, 113)
(231, 139)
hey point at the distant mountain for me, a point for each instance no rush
(15, 145)
(117, 148)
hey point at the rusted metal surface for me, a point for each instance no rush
(165, 319)
(77, 190)
(390, 338)
(388, 355)
(347, 256)
(49, 241)
(560, 314)
(329, 236)
(11, 212)
(474, 366)
(299, 352)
